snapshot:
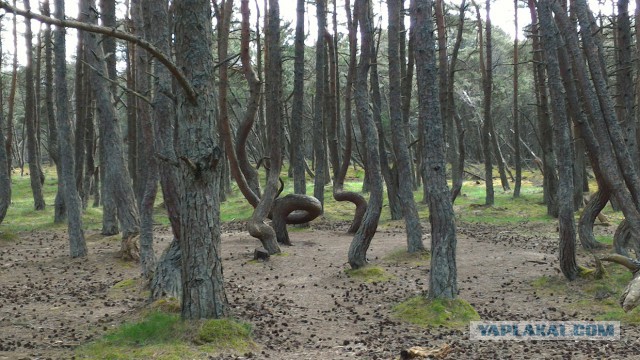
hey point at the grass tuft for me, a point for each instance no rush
(413, 259)
(225, 334)
(165, 336)
(369, 274)
(600, 296)
(167, 305)
(420, 311)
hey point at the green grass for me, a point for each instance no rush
(420, 311)
(468, 207)
(599, 296)
(369, 274)
(165, 336)
(413, 259)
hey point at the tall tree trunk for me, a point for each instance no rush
(338, 185)
(550, 181)
(364, 235)
(398, 132)
(82, 106)
(297, 110)
(148, 172)
(443, 275)
(273, 97)
(198, 148)
(59, 212)
(562, 140)
(167, 276)
(117, 177)
(600, 147)
(516, 109)
(78, 247)
(35, 171)
(485, 69)
(457, 170)
(5, 177)
(407, 90)
(12, 95)
(318, 119)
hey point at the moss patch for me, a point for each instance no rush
(7, 236)
(164, 336)
(369, 274)
(598, 296)
(225, 334)
(167, 305)
(420, 311)
(125, 284)
(401, 256)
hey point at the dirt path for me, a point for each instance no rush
(301, 304)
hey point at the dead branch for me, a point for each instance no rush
(153, 51)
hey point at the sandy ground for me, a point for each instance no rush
(301, 305)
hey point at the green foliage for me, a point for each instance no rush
(164, 336)
(420, 311)
(369, 274)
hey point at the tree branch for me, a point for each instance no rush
(153, 51)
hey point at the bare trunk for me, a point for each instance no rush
(203, 294)
(562, 140)
(77, 243)
(35, 171)
(297, 110)
(398, 131)
(364, 235)
(443, 275)
(338, 185)
(116, 173)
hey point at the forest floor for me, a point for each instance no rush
(302, 304)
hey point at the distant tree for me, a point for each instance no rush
(516, 110)
(5, 178)
(318, 118)
(398, 131)
(78, 247)
(297, 110)
(148, 171)
(443, 275)
(117, 177)
(339, 194)
(35, 170)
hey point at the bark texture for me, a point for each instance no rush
(398, 132)
(364, 235)
(77, 245)
(443, 275)
(117, 176)
(562, 141)
(35, 171)
(198, 148)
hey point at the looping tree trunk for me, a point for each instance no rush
(293, 209)
(167, 279)
(623, 240)
(585, 225)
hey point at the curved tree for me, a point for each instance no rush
(339, 194)
(362, 238)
